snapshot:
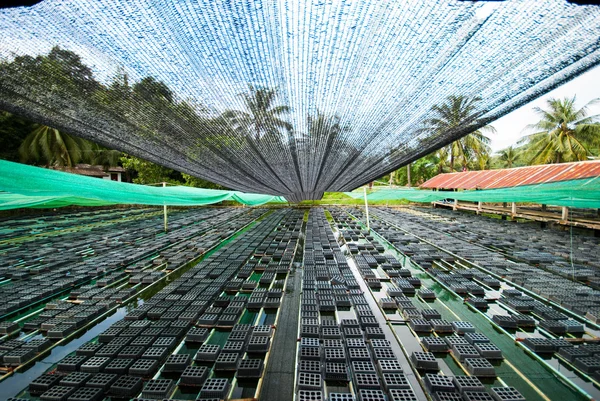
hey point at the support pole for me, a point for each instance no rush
(479, 204)
(455, 205)
(565, 213)
(367, 208)
(165, 210)
(513, 210)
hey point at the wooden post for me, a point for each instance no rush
(455, 205)
(479, 207)
(165, 210)
(513, 210)
(367, 208)
(565, 213)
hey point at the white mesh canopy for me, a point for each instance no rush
(288, 98)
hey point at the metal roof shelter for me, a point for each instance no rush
(192, 84)
(514, 177)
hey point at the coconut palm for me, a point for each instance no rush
(482, 161)
(440, 158)
(263, 117)
(459, 112)
(53, 148)
(564, 134)
(472, 147)
(99, 155)
(509, 157)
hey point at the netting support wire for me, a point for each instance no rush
(164, 184)
(367, 208)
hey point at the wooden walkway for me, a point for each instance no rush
(548, 216)
(281, 369)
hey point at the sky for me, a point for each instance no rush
(510, 128)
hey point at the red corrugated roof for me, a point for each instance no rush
(513, 177)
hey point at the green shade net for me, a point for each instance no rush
(28, 186)
(582, 193)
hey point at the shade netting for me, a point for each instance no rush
(582, 193)
(284, 97)
(29, 186)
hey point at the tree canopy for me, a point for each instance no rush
(563, 133)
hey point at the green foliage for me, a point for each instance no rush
(99, 155)
(146, 172)
(471, 151)
(509, 157)
(117, 96)
(13, 131)
(152, 91)
(51, 147)
(340, 198)
(263, 118)
(457, 113)
(60, 71)
(564, 133)
(420, 171)
(192, 181)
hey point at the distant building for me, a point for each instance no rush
(112, 173)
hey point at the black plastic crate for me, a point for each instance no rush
(506, 394)
(177, 363)
(71, 363)
(43, 383)
(424, 361)
(95, 364)
(57, 393)
(215, 388)
(468, 383)
(437, 383)
(102, 380)
(87, 394)
(144, 367)
(75, 379)
(251, 368)
(158, 389)
(118, 365)
(126, 387)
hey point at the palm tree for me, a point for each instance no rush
(472, 146)
(482, 161)
(509, 156)
(456, 113)
(563, 134)
(99, 155)
(263, 117)
(440, 157)
(52, 147)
